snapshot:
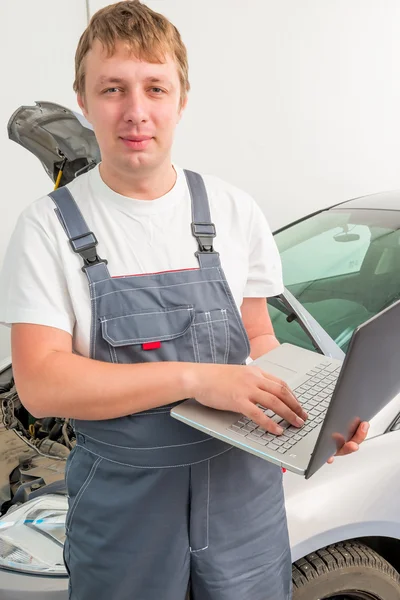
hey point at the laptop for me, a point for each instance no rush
(336, 395)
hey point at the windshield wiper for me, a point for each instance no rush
(321, 340)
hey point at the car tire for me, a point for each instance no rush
(346, 567)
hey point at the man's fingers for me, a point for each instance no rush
(281, 390)
(353, 444)
(277, 406)
(251, 411)
(361, 433)
(348, 448)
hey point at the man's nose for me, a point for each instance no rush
(135, 108)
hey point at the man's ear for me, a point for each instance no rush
(81, 102)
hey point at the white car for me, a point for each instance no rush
(341, 266)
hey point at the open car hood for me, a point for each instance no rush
(56, 136)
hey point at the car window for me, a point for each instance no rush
(336, 258)
(343, 266)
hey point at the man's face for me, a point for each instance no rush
(134, 107)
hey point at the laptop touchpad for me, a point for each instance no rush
(277, 370)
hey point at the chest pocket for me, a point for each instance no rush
(168, 334)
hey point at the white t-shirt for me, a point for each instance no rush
(42, 282)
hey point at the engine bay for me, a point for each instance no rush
(33, 451)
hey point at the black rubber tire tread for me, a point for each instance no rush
(333, 558)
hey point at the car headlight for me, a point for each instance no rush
(32, 536)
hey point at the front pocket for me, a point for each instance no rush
(81, 473)
(150, 335)
(211, 336)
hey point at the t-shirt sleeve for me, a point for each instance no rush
(265, 268)
(32, 282)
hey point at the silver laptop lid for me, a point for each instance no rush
(369, 379)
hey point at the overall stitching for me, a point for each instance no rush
(157, 287)
(196, 357)
(125, 277)
(68, 470)
(191, 196)
(130, 341)
(66, 562)
(153, 448)
(211, 337)
(84, 487)
(150, 312)
(93, 326)
(150, 467)
(113, 354)
(66, 228)
(235, 311)
(228, 338)
(59, 217)
(212, 321)
(197, 349)
(208, 512)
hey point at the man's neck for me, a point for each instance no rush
(142, 186)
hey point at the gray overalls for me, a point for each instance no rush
(153, 503)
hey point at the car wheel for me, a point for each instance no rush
(346, 571)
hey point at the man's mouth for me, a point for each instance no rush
(136, 142)
(137, 138)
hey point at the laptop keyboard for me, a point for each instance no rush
(314, 395)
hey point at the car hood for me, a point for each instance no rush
(57, 136)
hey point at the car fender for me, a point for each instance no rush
(356, 496)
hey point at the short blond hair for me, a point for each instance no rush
(147, 34)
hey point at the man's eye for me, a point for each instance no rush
(157, 90)
(109, 90)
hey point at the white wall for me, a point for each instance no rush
(37, 47)
(296, 101)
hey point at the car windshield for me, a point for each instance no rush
(343, 266)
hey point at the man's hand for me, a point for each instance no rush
(240, 389)
(353, 444)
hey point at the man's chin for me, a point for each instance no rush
(138, 161)
(134, 161)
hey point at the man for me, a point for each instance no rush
(112, 336)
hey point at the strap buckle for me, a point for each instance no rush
(86, 250)
(204, 234)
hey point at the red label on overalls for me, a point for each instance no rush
(151, 346)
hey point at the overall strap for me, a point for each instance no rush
(202, 227)
(82, 240)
